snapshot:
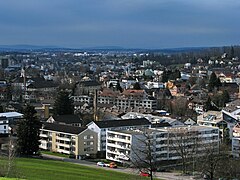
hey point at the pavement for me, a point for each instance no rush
(160, 175)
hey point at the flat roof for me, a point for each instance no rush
(11, 114)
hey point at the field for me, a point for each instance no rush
(38, 169)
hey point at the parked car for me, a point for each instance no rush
(102, 164)
(145, 174)
(113, 165)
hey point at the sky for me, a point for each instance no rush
(124, 23)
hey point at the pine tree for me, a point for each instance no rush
(214, 81)
(118, 87)
(63, 104)
(28, 130)
(137, 86)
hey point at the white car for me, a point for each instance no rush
(102, 164)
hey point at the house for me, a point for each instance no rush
(100, 127)
(76, 141)
(190, 122)
(68, 119)
(40, 89)
(87, 87)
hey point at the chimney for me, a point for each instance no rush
(46, 110)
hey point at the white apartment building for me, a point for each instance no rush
(120, 143)
(82, 99)
(7, 119)
(101, 127)
(236, 146)
(236, 141)
(122, 146)
(4, 127)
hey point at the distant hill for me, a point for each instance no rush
(29, 48)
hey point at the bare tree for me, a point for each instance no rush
(143, 154)
(11, 156)
(211, 160)
(183, 143)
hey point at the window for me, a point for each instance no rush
(85, 137)
(4, 127)
(91, 143)
(91, 137)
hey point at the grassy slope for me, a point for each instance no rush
(48, 169)
(54, 154)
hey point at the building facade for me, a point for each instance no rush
(70, 140)
(122, 146)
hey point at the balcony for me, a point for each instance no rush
(125, 140)
(44, 135)
(118, 146)
(63, 138)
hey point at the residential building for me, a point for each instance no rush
(231, 112)
(215, 119)
(4, 126)
(122, 145)
(134, 99)
(8, 121)
(76, 141)
(236, 141)
(100, 127)
(87, 87)
(236, 146)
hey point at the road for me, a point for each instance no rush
(160, 175)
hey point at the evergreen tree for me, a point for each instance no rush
(137, 86)
(28, 131)
(63, 104)
(232, 54)
(1, 109)
(225, 97)
(208, 105)
(164, 76)
(118, 87)
(214, 81)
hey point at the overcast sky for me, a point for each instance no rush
(125, 23)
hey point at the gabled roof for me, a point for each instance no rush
(42, 84)
(67, 119)
(89, 83)
(122, 122)
(63, 128)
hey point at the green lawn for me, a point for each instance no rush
(48, 169)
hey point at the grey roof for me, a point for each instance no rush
(232, 106)
(42, 84)
(67, 119)
(122, 122)
(90, 83)
(63, 128)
